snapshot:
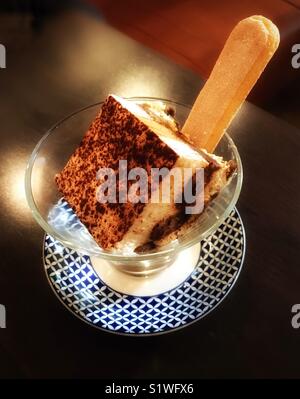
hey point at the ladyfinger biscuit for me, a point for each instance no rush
(245, 55)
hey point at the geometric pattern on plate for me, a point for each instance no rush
(79, 288)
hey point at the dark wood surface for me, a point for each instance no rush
(75, 60)
(180, 30)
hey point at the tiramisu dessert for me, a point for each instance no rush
(147, 136)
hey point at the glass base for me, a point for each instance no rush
(146, 284)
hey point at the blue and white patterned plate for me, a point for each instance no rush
(80, 289)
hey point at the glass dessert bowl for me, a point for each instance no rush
(58, 220)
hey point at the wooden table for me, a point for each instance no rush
(76, 59)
